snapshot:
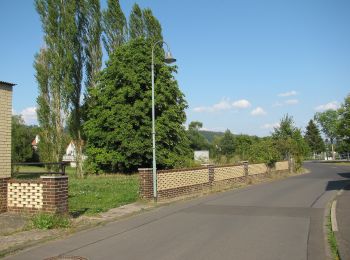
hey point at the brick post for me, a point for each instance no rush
(291, 165)
(146, 183)
(246, 169)
(211, 172)
(3, 194)
(55, 194)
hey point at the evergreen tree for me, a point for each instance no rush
(118, 126)
(114, 26)
(313, 138)
(136, 23)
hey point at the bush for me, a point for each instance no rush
(50, 221)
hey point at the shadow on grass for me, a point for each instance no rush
(77, 213)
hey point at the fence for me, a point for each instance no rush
(174, 183)
(48, 193)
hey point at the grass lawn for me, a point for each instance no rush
(93, 194)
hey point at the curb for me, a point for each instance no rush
(334, 216)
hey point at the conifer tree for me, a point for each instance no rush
(313, 138)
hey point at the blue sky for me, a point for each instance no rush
(242, 64)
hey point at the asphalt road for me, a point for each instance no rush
(278, 220)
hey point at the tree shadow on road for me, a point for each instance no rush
(340, 184)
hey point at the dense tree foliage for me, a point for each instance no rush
(289, 140)
(344, 121)
(313, 138)
(22, 137)
(263, 150)
(118, 126)
(197, 140)
(328, 120)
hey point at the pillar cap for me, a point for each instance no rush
(54, 177)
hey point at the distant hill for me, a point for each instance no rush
(209, 135)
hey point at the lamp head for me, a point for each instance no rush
(169, 58)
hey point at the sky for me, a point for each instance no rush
(242, 65)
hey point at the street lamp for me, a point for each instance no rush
(167, 59)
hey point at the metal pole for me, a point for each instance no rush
(154, 165)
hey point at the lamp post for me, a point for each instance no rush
(168, 59)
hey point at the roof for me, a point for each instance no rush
(7, 83)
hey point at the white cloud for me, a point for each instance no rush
(270, 126)
(29, 115)
(258, 112)
(291, 101)
(224, 104)
(242, 103)
(288, 94)
(334, 105)
(277, 104)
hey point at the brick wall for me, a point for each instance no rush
(3, 194)
(5, 130)
(47, 194)
(174, 183)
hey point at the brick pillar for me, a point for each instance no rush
(3, 194)
(55, 194)
(146, 183)
(291, 165)
(246, 169)
(211, 172)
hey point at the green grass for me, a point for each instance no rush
(95, 194)
(332, 240)
(49, 221)
(92, 194)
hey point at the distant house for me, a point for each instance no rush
(71, 153)
(35, 143)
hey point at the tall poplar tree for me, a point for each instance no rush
(114, 26)
(152, 27)
(136, 23)
(54, 59)
(92, 39)
(71, 34)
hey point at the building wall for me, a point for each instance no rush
(5, 130)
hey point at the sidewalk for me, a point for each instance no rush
(343, 220)
(14, 235)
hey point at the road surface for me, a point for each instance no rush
(277, 220)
